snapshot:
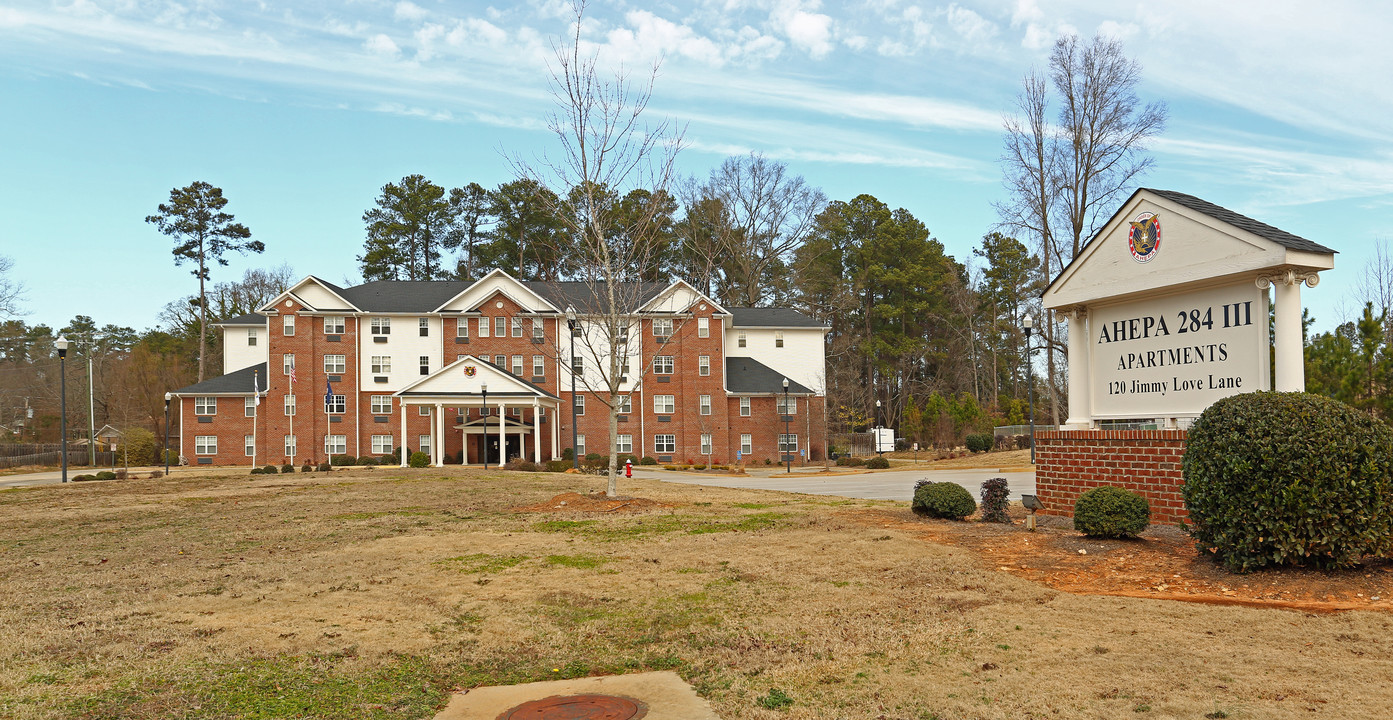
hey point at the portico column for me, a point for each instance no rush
(536, 433)
(1080, 412)
(403, 434)
(502, 435)
(555, 431)
(437, 438)
(1290, 365)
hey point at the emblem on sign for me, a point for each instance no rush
(469, 370)
(1144, 239)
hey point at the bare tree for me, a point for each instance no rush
(1063, 180)
(745, 223)
(606, 150)
(1376, 284)
(11, 290)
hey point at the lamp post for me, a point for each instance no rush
(571, 325)
(62, 345)
(484, 390)
(165, 449)
(787, 417)
(878, 426)
(1030, 383)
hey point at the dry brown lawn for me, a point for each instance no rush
(372, 593)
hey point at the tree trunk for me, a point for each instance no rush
(202, 313)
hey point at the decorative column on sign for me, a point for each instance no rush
(1290, 365)
(1080, 405)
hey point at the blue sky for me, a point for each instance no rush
(302, 111)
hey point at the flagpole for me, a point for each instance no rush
(297, 407)
(256, 402)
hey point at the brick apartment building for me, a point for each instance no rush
(463, 371)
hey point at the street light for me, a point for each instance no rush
(484, 390)
(1030, 383)
(878, 426)
(62, 345)
(165, 450)
(787, 417)
(571, 325)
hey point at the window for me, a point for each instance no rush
(381, 444)
(288, 363)
(624, 444)
(705, 404)
(663, 404)
(500, 326)
(205, 406)
(626, 404)
(579, 402)
(578, 364)
(575, 329)
(517, 365)
(290, 406)
(537, 328)
(740, 340)
(662, 364)
(703, 327)
(788, 443)
(744, 407)
(424, 324)
(662, 328)
(381, 326)
(423, 442)
(665, 444)
(539, 365)
(425, 364)
(704, 365)
(423, 410)
(462, 327)
(251, 338)
(333, 325)
(580, 446)
(290, 446)
(334, 404)
(483, 327)
(747, 444)
(778, 339)
(517, 327)
(381, 364)
(249, 407)
(335, 444)
(501, 361)
(787, 405)
(334, 364)
(205, 444)
(288, 325)
(705, 444)
(515, 412)
(248, 445)
(381, 404)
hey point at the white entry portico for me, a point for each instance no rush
(472, 383)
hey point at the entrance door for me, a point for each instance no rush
(514, 446)
(490, 445)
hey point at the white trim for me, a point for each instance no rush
(516, 283)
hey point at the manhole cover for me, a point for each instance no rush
(578, 707)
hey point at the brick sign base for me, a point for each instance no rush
(1071, 462)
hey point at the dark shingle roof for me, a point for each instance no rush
(402, 295)
(238, 381)
(582, 295)
(770, 317)
(746, 376)
(248, 319)
(1243, 222)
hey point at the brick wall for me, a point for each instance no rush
(1070, 462)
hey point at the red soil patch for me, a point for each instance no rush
(597, 503)
(1163, 563)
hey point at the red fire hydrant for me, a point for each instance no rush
(628, 468)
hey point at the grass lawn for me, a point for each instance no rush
(375, 593)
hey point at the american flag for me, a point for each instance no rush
(292, 374)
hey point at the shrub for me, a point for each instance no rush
(367, 461)
(527, 466)
(105, 475)
(648, 460)
(593, 456)
(141, 447)
(1111, 512)
(287, 468)
(670, 467)
(389, 460)
(83, 478)
(943, 500)
(979, 442)
(324, 467)
(850, 462)
(699, 466)
(269, 470)
(1289, 479)
(257, 471)
(309, 467)
(558, 465)
(877, 463)
(156, 475)
(996, 496)
(344, 460)
(418, 460)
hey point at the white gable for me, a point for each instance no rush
(496, 282)
(1195, 250)
(676, 298)
(311, 292)
(467, 377)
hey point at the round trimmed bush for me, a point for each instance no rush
(418, 460)
(287, 468)
(979, 442)
(324, 467)
(648, 460)
(269, 470)
(943, 500)
(344, 460)
(367, 461)
(106, 475)
(878, 463)
(1111, 512)
(1289, 479)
